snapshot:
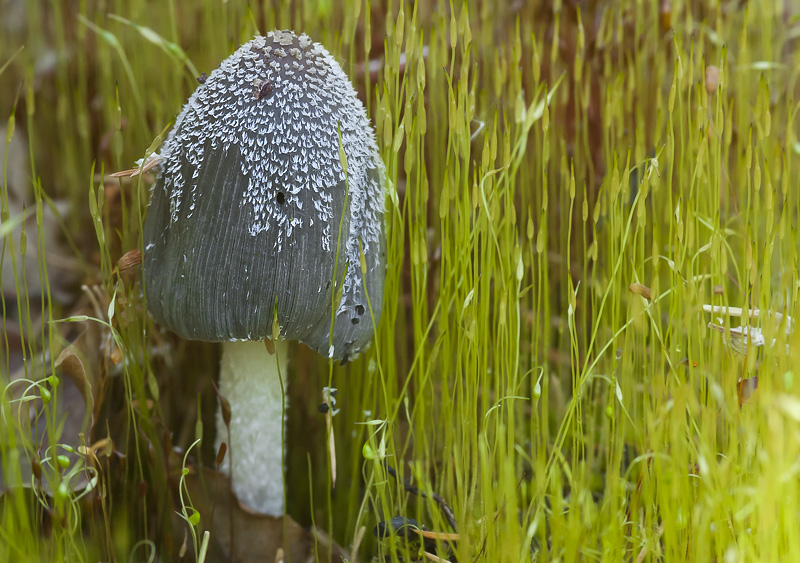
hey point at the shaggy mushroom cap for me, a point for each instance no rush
(247, 209)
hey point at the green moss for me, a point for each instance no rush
(540, 160)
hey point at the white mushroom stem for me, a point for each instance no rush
(249, 381)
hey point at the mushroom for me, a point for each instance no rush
(251, 208)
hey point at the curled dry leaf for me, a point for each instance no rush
(82, 363)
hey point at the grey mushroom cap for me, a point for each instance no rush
(252, 203)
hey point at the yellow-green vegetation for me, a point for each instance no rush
(568, 185)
